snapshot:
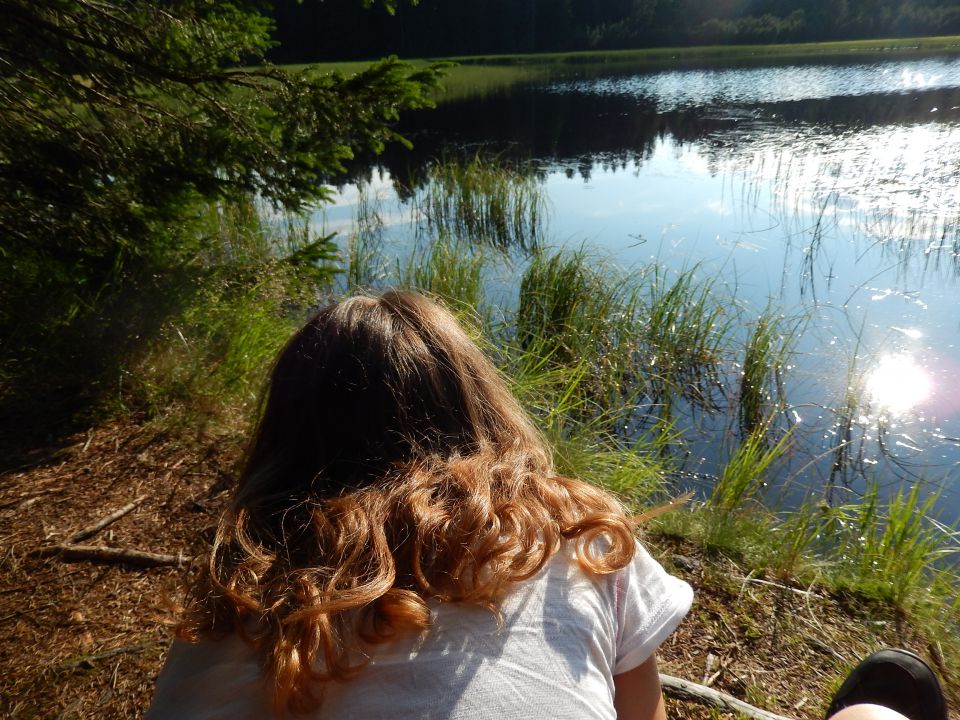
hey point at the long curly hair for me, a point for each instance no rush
(391, 466)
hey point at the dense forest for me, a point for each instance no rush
(343, 29)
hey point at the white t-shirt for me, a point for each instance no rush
(565, 635)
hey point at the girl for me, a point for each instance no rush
(399, 545)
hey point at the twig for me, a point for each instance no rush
(758, 581)
(821, 646)
(686, 690)
(92, 530)
(100, 554)
(86, 661)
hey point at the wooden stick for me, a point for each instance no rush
(87, 661)
(758, 581)
(686, 690)
(100, 554)
(92, 530)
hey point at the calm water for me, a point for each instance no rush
(825, 189)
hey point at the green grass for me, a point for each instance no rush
(448, 268)
(251, 287)
(485, 202)
(745, 472)
(685, 338)
(478, 74)
(761, 394)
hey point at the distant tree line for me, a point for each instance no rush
(344, 29)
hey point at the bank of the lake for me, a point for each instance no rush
(781, 615)
(470, 74)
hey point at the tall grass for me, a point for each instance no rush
(686, 334)
(761, 392)
(256, 280)
(888, 547)
(486, 202)
(448, 268)
(364, 261)
(745, 472)
(578, 310)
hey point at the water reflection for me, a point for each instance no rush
(898, 384)
(675, 89)
(824, 189)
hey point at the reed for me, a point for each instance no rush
(449, 268)
(744, 473)
(846, 448)
(761, 394)
(889, 547)
(686, 333)
(364, 263)
(575, 308)
(487, 202)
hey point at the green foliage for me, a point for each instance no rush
(564, 304)
(339, 29)
(744, 472)
(117, 115)
(450, 269)
(685, 338)
(257, 281)
(889, 547)
(119, 119)
(580, 312)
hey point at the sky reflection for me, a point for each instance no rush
(672, 89)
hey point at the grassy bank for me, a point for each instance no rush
(481, 73)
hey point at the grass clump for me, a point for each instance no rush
(484, 201)
(761, 393)
(448, 268)
(685, 335)
(890, 547)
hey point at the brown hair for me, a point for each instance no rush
(391, 465)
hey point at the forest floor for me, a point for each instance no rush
(86, 639)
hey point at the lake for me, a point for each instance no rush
(828, 190)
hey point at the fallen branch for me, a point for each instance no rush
(92, 530)
(686, 690)
(100, 554)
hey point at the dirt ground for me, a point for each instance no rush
(86, 639)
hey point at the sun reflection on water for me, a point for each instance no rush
(898, 383)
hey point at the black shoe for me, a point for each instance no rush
(896, 679)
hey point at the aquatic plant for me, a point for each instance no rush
(450, 268)
(761, 391)
(888, 546)
(685, 335)
(745, 471)
(484, 201)
(574, 308)
(364, 262)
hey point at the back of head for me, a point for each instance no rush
(391, 465)
(371, 383)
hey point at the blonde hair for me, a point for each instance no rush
(391, 466)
